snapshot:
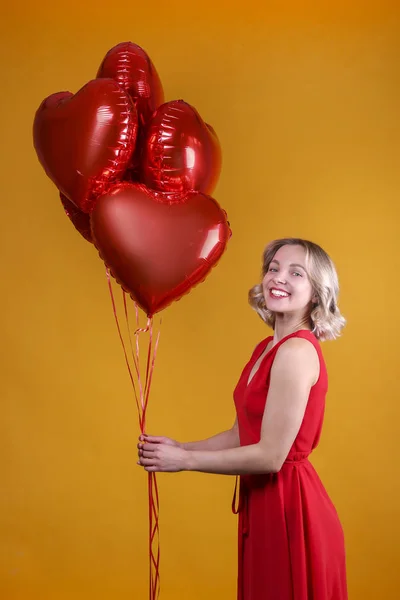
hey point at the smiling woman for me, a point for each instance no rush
(291, 542)
(315, 270)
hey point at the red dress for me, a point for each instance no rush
(291, 544)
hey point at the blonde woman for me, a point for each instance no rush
(291, 544)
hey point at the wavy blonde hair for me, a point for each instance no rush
(325, 319)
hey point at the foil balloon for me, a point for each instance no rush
(180, 151)
(158, 246)
(132, 68)
(79, 219)
(85, 141)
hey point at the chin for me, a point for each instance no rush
(274, 309)
(277, 305)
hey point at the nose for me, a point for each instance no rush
(280, 279)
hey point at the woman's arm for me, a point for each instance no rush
(295, 370)
(221, 441)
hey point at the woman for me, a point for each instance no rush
(291, 544)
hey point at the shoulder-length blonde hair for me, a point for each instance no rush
(326, 321)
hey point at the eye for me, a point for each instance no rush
(297, 273)
(272, 269)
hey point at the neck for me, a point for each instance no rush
(287, 324)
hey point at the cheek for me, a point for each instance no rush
(306, 290)
(265, 285)
(267, 278)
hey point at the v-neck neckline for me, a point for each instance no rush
(267, 340)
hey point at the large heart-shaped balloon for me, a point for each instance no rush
(158, 249)
(180, 151)
(85, 141)
(133, 69)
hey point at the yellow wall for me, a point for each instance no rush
(306, 104)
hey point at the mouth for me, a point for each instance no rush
(277, 293)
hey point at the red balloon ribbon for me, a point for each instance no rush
(142, 393)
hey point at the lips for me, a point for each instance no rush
(278, 293)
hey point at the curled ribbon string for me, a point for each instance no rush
(129, 332)
(156, 530)
(153, 488)
(122, 340)
(142, 393)
(152, 480)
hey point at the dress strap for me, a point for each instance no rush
(235, 498)
(240, 497)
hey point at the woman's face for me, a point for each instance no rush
(286, 286)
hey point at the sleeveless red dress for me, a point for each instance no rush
(291, 543)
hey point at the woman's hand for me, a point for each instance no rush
(157, 439)
(162, 454)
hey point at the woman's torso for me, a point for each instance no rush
(251, 393)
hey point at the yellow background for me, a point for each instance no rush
(305, 98)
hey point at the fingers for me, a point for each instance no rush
(145, 448)
(148, 447)
(148, 454)
(154, 439)
(149, 467)
(147, 462)
(147, 451)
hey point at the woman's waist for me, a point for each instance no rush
(296, 458)
(293, 460)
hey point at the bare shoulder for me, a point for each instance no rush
(297, 347)
(298, 355)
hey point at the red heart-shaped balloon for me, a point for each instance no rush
(133, 69)
(85, 141)
(158, 247)
(79, 219)
(180, 151)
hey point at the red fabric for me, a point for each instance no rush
(291, 544)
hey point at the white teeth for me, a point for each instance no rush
(279, 293)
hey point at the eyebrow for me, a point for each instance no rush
(291, 265)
